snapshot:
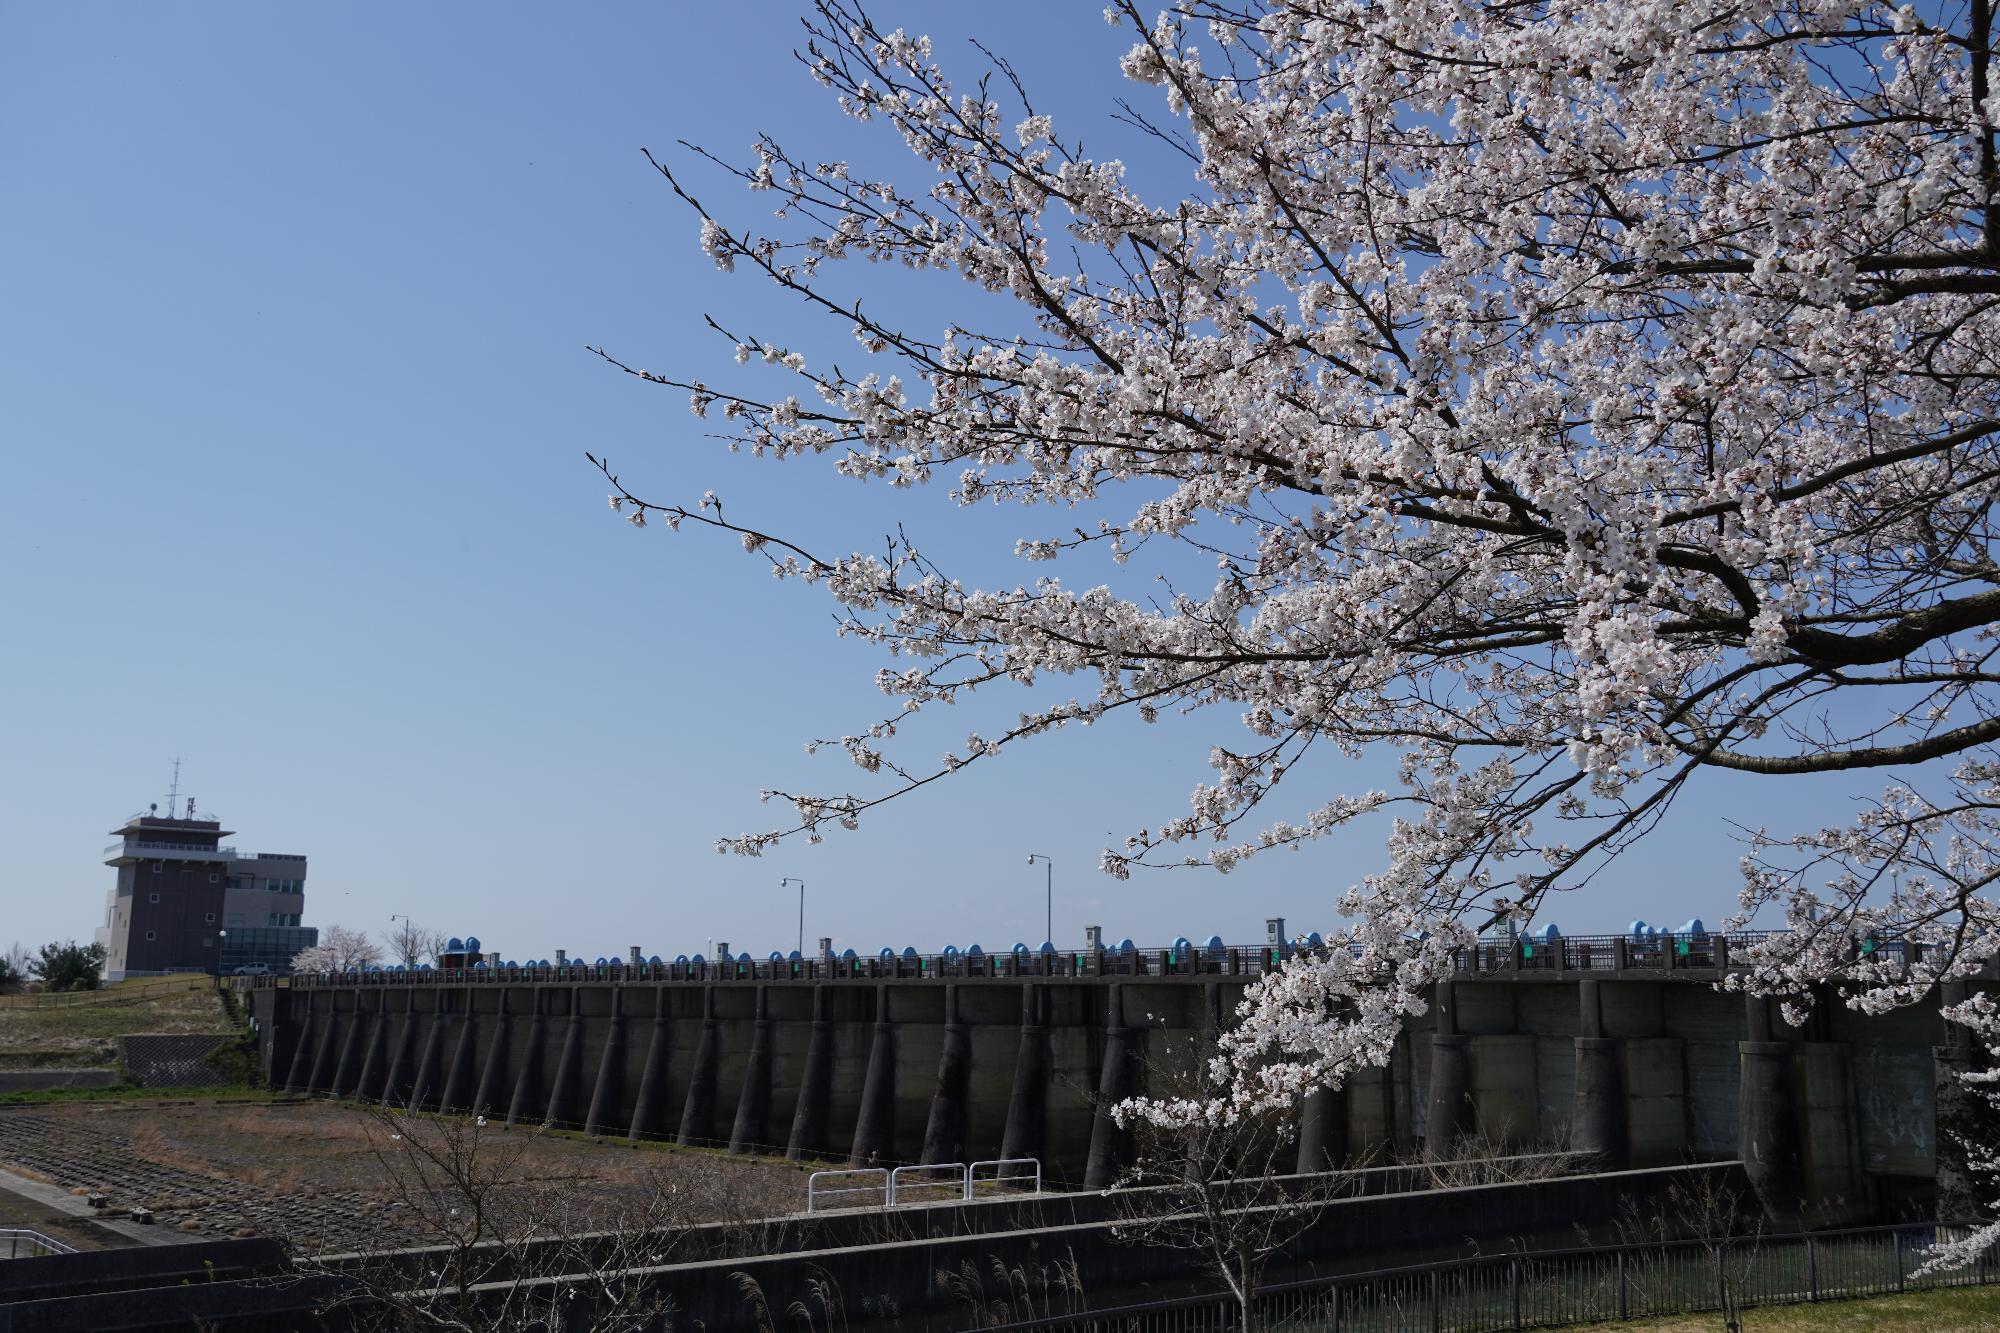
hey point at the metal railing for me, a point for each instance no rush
(1548, 1289)
(908, 1186)
(1583, 953)
(136, 846)
(1005, 1176)
(942, 1182)
(872, 1181)
(1703, 955)
(20, 1243)
(1233, 962)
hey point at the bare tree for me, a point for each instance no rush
(1207, 1178)
(1724, 1222)
(338, 949)
(1484, 1158)
(411, 943)
(482, 1242)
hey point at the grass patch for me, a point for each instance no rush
(236, 1061)
(1957, 1310)
(75, 1029)
(43, 1057)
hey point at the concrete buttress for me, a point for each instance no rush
(300, 1072)
(1767, 1117)
(375, 1056)
(1110, 1142)
(430, 1069)
(347, 1073)
(458, 1074)
(1028, 1101)
(1450, 1114)
(561, 1111)
(493, 1075)
(875, 1121)
(608, 1097)
(1323, 1130)
(944, 1134)
(526, 1103)
(698, 1114)
(808, 1138)
(649, 1111)
(402, 1055)
(753, 1103)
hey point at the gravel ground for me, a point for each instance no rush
(309, 1171)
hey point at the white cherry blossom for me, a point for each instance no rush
(1576, 397)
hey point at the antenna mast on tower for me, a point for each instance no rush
(174, 792)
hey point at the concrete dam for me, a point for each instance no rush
(1604, 1046)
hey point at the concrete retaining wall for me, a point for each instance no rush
(907, 1070)
(172, 1061)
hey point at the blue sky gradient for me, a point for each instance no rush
(291, 347)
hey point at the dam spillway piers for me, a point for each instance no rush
(1637, 1058)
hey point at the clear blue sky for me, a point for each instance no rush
(295, 401)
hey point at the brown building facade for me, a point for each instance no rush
(184, 902)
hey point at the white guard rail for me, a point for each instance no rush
(1006, 1175)
(947, 1182)
(941, 1183)
(828, 1190)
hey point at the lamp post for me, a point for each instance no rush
(221, 942)
(402, 951)
(802, 909)
(1049, 907)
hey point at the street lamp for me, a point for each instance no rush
(221, 942)
(1050, 907)
(802, 910)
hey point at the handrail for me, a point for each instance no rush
(883, 1186)
(1001, 1178)
(955, 1182)
(1705, 954)
(17, 1239)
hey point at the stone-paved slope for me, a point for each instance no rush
(76, 1154)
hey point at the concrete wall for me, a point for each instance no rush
(957, 1070)
(239, 1285)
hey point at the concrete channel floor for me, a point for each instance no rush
(60, 1215)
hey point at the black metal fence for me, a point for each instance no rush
(1547, 1289)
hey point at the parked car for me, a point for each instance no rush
(251, 970)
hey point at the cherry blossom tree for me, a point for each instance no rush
(338, 949)
(1580, 399)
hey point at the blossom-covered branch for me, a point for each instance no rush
(1578, 398)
